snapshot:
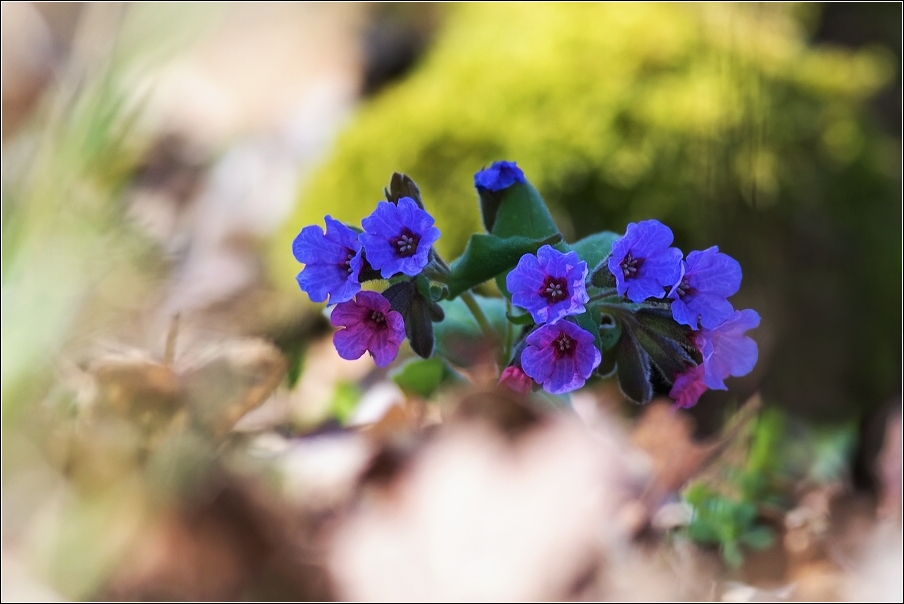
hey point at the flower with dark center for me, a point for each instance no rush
(710, 277)
(549, 285)
(333, 261)
(560, 356)
(397, 238)
(405, 244)
(370, 325)
(643, 263)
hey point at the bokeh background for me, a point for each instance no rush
(158, 160)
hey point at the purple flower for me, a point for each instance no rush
(642, 262)
(370, 326)
(398, 238)
(726, 350)
(549, 285)
(501, 175)
(560, 356)
(332, 261)
(710, 277)
(688, 387)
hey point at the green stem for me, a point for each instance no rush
(606, 293)
(506, 352)
(468, 298)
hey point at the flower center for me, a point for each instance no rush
(564, 346)
(405, 244)
(554, 289)
(630, 265)
(377, 320)
(347, 265)
(683, 288)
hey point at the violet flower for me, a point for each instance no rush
(501, 175)
(332, 261)
(726, 352)
(560, 356)
(549, 285)
(370, 326)
(710, 277)
(397, 237)
(643, 264)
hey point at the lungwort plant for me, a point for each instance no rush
(630, 305)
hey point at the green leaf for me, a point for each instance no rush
(703, 531)
(420, 377)
(590, 321)
(419, 326)
(665, 344)
(633, 369)
(744, 513)
(601, 277)
(759, 537)
(520, 319)
(593, 248)
(610, 332)
(487, 256)
(518, 211)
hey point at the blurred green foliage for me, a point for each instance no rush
(767, 457)
(720, 120)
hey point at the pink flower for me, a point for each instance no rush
(370, 326)
(688, 387)
(516, 379)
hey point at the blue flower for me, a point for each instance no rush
(560, 356)
(643, 264)
(710, 277)
(397, 238)
(501, 175)
(332, 261)
(549, 285)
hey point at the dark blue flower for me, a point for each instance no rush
(397, 238)
(643, 264)
(560, 356)
(710, 277)
(549, 285)
(332, 261)
(501, 175)
(370, 326)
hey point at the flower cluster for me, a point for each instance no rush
(396, 241)
(645, 266)
(551, 286)
(631, 306)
